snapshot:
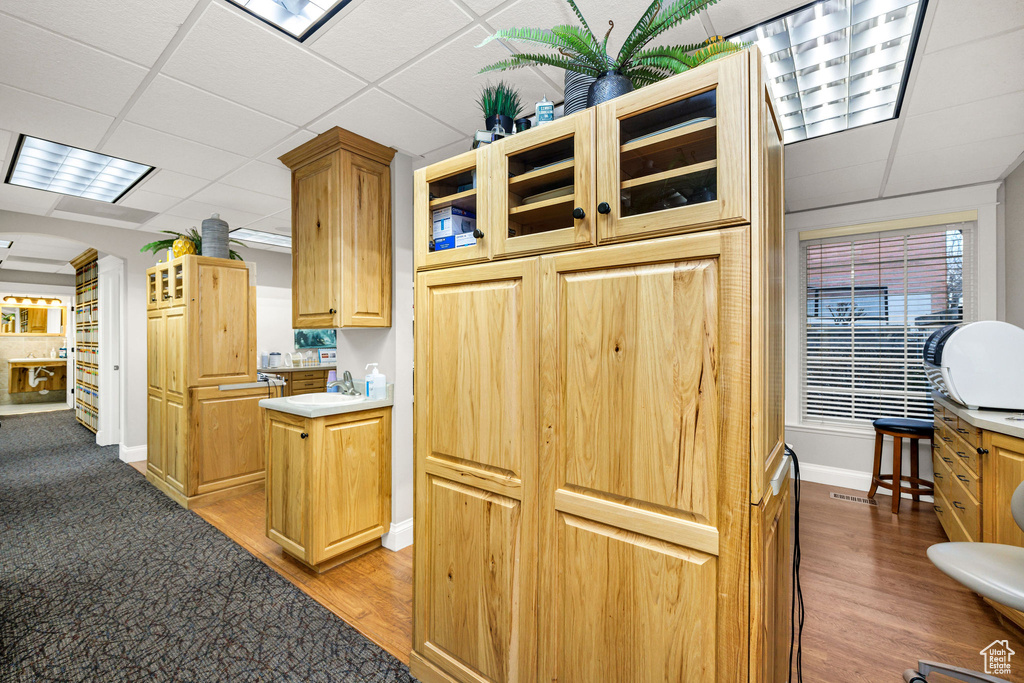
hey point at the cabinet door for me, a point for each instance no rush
(475, 560)
(670, 159)
(353, 489)
(366, 290)
(542, 193)
(221, 326)
(156, 355)
(175, 445)
(644, 508)
(175, 338)
(771, 586)
(155, 440)
(316, 246)
(226, 448)
(288, 447)
(152, 289)
(1003, 472)
(450, 189)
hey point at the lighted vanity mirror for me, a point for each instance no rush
(35, 320)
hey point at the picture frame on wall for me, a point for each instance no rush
(316, 339)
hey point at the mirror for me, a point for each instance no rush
(33, 320)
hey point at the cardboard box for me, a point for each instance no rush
(453, 227)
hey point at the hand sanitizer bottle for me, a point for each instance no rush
(376, 384)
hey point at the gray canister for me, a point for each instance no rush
(215, 237)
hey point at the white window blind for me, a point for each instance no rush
(869, 303)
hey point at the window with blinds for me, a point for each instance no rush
(870, 302)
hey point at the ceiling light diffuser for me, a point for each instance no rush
(54, 167)
(5, 244)
(838, 64)
(261, 237)
(297, 18)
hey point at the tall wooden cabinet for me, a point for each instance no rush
(341, 232)
(202, 440)
(598, 397)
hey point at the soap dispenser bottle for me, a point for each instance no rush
(376, 384)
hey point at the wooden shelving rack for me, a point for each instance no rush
(86, 339)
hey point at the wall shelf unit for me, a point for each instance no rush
(86, 339)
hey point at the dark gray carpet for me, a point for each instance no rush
(103, 578)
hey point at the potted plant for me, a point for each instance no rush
(501, 105)
(578, 49)
(187, 243)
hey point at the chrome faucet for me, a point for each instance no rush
(347, 386)
(31, 354)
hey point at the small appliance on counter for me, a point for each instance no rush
(978, 365)
(275, 360)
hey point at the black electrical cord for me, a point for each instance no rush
(796, 624)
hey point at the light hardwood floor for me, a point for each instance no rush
(875, 604)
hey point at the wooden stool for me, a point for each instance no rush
(900, 428)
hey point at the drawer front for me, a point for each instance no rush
(943, 510)
(309, 374)
(969, 433)
(314, 384)
(942, 475)
(966, 510)
(962, 451)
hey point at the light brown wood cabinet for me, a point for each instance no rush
(341, 232)
(597, 426)
(202, 442)
(328, 484)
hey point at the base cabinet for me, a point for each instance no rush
(328, 484)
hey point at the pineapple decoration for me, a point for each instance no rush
(183, 245)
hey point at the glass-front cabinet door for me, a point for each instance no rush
(673, 156)
(450, 219)
(542, 191)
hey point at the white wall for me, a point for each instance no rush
(274, 319)
(844, 456)
(1013, 207)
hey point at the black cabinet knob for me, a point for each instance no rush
(478, 233)
(982, 451)
(331, 311)
(303, 435)
(579, 214)
(604, 207)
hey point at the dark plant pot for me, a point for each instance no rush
(577, 86)
(504, 121)
(608, 87)
(522, 124)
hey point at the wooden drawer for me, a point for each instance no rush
(967, 510)
(309, 374)
(969, 480)
(943, 510)
(942, 475)
(969, 433)
(308, 384)
(964, 453)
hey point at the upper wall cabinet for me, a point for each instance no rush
(341, 231)
(454, 188)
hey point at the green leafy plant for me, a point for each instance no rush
(500, 100)
(8, 318)
(578, 49)
(196, 239)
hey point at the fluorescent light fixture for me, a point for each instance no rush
(297, 18)
(838, 64)
(5, 244)
(260, 237)
(54, 167)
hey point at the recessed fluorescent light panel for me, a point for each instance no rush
(261, 237)
(838, 64)
(54, 167)
(297, 18)
(5, 244)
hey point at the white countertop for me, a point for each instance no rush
(992, 420)
(296, 368)
(283, 405)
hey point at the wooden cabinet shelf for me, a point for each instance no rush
(672, 139)
(669, 175)
(86, 333)
(464, 199)
(529, 182)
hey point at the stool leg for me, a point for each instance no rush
(897, 476)
(878, 465)
(913, 467)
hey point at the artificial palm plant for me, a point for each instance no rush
(192, 236)
(578, 49)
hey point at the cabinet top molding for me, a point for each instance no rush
(83, 259)
(334, 139)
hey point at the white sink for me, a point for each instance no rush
(313, 400)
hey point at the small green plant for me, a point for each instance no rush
(194, 236)
(500, 100)
(578, 49)
(8, 318)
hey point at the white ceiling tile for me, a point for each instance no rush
(51, 120)
(967, 21)
(166, 221)
(941, 167)
(279, 223)
(148, 146)
(482, 6)
(281, 77)
(25, 199)
(7, 140)
(162, 181)
(442, 153)
(852, 147)
(938, 179)
(354, 42)
(99, 220)
(28, 266)
(197, 211)
(831, 199)
(274, 180)
(380, 117)
(969, 72)
(862, 177)
(150, 201)
(194, 114)
(731, 17)
(445, 83)
(972, 121)
(138, 32)
(287, 145)
(228, 197)
(47, 64)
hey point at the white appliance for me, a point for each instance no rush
(979, 365)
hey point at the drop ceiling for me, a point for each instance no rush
(39, 254)
(211, 96)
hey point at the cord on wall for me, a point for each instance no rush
(796, 625)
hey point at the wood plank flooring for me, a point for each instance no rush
(875, 604)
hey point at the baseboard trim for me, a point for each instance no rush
(843, 478)
(132, 453)
(399, 536)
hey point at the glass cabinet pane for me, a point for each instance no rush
(541, 191)
(450, 212)
(178, 282)
(453, 211)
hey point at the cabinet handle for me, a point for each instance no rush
(962, 455)
(937, 475)
(303, 435)
(579, 214)
(604, 207)
(166, 297)
(962, 478)
(938, 508)
(962, 431)
(331, 311)
(958, 505)
(478, 233)
(948, 419)
(982, 451)
(947, 439)
(948, 461)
